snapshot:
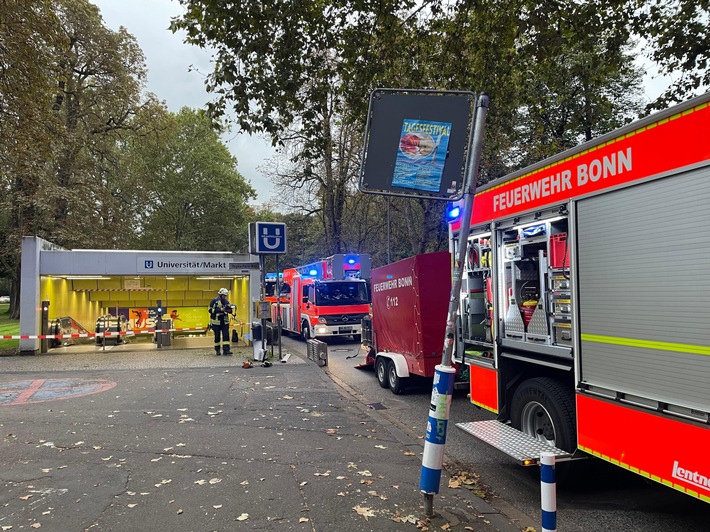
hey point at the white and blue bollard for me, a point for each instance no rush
(548, 491)
(433, 458)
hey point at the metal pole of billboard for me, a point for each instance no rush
(388, 230)
(442, 390)
(262, 264)
(278, 305)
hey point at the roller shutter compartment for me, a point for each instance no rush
(644, 289)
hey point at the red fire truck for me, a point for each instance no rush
(326, 298)
(410, 299)
(584, 302)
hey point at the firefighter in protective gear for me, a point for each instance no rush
(220, 309)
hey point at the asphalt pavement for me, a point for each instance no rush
(164, 439)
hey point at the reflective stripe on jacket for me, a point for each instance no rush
(219, 311)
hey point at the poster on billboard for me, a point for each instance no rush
(416, 143)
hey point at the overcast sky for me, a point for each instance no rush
(168, 60)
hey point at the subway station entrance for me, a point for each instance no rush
(108, 297)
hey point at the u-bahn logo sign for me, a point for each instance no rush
(267, 238)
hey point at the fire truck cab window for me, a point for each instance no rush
(285, 288)
(342, 293)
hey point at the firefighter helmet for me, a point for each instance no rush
(223, 292)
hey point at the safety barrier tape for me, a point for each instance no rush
(106, 334)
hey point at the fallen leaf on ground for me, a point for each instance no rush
(380, 447)
(243, 517)
(303, 520)
(131, 505)
(365, 512)
(26, 497)
(216, 506)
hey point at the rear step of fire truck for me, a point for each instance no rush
(524, 448)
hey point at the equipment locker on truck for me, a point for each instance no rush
(592, 336)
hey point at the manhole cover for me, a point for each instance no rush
(377, 406)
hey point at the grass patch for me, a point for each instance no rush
(8, 327)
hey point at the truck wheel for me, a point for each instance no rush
(381, 370)
(544, 409)
(305, 331)
(395, 381)
(357, 338)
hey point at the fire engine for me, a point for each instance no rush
(410, 299)
(584, 303)
(325, 298)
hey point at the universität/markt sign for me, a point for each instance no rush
(416, 143)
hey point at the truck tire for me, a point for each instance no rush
(381, 371)
(395, 381)
(544, 409)
(305, 331)
(357, 338)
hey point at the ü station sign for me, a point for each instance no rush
(267, 238)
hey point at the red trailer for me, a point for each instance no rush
(410, 301)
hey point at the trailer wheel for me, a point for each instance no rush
(395, 381)
(544, 409)
(305, 331)
(381, 371)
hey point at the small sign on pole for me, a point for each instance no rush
(267, 238)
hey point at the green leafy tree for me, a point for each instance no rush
(678, 33)
(196, 198)
(280, 68)
(302, 71)
(99, 103)
(29, 34)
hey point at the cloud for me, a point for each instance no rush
(172, 80)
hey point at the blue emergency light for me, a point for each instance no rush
(452, 212)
